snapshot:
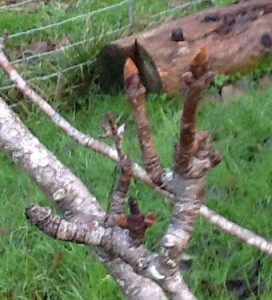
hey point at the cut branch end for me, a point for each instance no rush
(132, 83)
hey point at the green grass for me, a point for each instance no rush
(239, 188)
(92, 27)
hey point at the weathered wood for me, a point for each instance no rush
(236, 37)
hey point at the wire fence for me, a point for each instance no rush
(62, 48)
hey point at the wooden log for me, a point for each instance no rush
(236, 37)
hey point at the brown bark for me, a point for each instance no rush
(236, 37)
(71, 197)
(135, 93)
(193, 158)
(138, 172)
(118, 196)
(113, 245)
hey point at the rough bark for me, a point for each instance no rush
(135, 93)
(117, 199)
(67, 193)
(93, 144)
(236, 37)
(90, 232)
(192, 161)
(56, 181)
(84, 221)
(119, 194)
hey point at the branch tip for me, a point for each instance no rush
(199, 65)
(132, 83)
(196, 78)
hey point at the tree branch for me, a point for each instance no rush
(135, 93)
(56, 181)
(67, 193)
(192, 160)
(195, 79)
(87, 231)
(118, 196)
(102, 148)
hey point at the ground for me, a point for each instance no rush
(35, 267)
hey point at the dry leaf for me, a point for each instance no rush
(55, 262)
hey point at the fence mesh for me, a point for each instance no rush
(60, 49)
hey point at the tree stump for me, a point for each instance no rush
(236, 37)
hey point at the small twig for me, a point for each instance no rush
(135, 93)
(110, 130)
(116, 135)
(118, 196)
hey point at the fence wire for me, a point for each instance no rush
(14, 5)
(113, 20)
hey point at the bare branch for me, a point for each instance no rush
(235, 230)
(136, 95)
(84, 230)
(119, 194)
(88, 232)
(102, 148)
(116, 136)
(55, 180)
(195, 80)
(117, 199)
(192, 160)
(135, 287)
(67, 192)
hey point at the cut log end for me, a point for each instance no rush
(110, 64)
(237, 37)
(109, 67)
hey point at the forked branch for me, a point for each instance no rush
(193, 158)
(195, 79)
(86, 231)
(91, 143)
